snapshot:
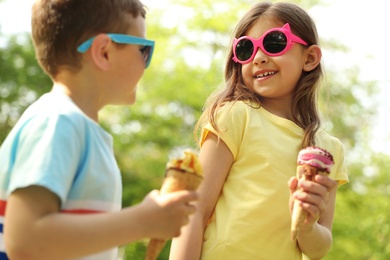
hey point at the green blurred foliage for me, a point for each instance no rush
(191, 45)
(362, 227)
(21, 80)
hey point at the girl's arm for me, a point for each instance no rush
(318, 199)
(35, 229)
(216, 160)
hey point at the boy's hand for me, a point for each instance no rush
(313, 196)
(169, 212)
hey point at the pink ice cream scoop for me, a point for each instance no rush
(316, 157)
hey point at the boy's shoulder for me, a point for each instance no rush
(54, 113)
(54, 104)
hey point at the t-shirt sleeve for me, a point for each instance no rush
(340, 174)
(46, 152)
(336, 148)
(231, 121)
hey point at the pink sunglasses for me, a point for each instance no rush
(274, 42)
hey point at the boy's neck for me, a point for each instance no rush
(84, 93)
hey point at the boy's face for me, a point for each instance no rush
(128, 65)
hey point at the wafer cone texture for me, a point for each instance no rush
(154, 248)
(175, 180)
(304, 172)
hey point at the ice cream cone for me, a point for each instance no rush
(312, 161)
(154, 248)
(181, 174)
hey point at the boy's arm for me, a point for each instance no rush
(35, 229)
(216, 160)
(315, 237)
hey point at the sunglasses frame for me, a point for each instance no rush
(122, 39)
(258, 43)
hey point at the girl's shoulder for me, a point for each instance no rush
(238, 106)
(329, 142)
(324, 137)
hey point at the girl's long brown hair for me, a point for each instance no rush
(304, 101)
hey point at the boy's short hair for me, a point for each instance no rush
(59, 26)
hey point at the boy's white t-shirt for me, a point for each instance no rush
(55, 145)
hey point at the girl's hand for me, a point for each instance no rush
(313, 197)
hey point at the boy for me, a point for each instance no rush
(57, 168)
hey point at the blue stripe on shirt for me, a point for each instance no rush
(3, 256)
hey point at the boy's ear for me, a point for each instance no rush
(313, 58)
(100, 50)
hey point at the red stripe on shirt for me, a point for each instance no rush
(3, 204)
(81, 211)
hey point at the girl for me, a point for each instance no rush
(252, 131)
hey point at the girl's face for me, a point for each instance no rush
(273, 78)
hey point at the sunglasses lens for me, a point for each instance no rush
(244, 49)
(275, 42)
(146, 53)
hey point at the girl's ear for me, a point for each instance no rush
(100, 51)
(313, 58)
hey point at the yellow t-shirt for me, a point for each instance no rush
(251, 220)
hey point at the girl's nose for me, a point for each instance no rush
(260, 57)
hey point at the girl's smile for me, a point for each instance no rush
(264, 74)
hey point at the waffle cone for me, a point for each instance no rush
(154, 248)
(304, 172)
(175, 180)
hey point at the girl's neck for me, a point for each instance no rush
(278, 107)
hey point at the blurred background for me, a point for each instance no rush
(191, 44)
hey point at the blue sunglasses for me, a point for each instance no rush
(147, 50)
